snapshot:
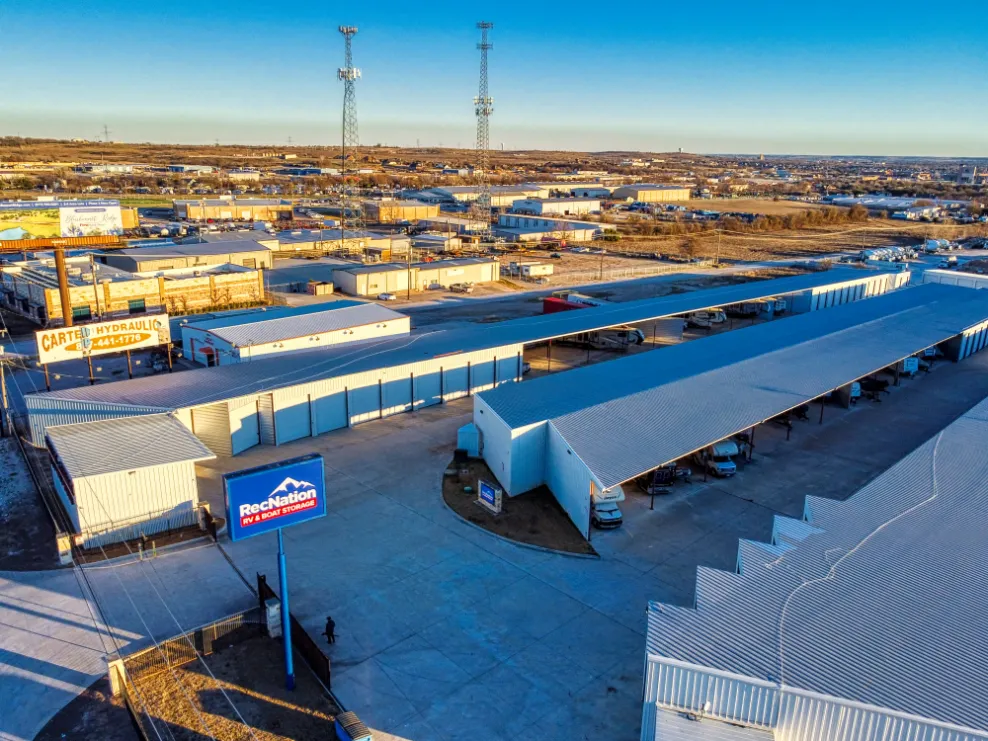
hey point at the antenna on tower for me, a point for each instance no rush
(348, 74)
(484, 107)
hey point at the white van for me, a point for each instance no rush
(718, 458)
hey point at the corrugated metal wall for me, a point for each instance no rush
(46, 412)
(973, 340)
(793, 714)
(211, 424)
(569, 479)
(843, 293)
(245, 430)
(122, 505)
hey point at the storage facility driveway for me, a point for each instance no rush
(51, 649)
(447, 633)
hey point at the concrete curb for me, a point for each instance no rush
(591, 556)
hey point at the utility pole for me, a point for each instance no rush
(348, 75)
(5, 412)
(92, 272)
(484, 108)
(63, 286)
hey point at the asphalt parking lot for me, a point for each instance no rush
(447, 633)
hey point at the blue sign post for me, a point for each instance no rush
(272, 497)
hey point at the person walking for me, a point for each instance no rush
(330, 631)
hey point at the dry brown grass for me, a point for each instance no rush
(767, 206)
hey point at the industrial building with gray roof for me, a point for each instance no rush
(863, 620)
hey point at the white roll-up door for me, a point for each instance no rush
(481, 375)
(428, 389)
(397, 395)
(329, 413)
(266, 420)
(244, 429)
(211, 424)
(364, 404)
(293, 419)
(455, 383)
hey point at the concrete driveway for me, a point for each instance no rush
(53, 642)
(446, 633)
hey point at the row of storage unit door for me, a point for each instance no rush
(278, 417)
(844, 294)
(973, 340)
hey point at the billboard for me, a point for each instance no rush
(73, 343)
(262, 499)
(52, 219)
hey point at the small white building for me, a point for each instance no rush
(556, 206)
(241, 338)
(373, 280)
(536, 270)
(119, 479)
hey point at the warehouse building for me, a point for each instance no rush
(245, 253)
(556, 206)
(120, 479)
(276, 331)
(30, 288)
(590, 430)
(230, 209)
(863, 620)
(373, 280)
(273, 400)
(253, 235)
(195, 169)
(526, 228)
(390, 212)
(955, 278)
(502, 196)
(455, 224)
(650, 193)
(437, 242)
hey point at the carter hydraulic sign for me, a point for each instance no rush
(101, 338)
(277, 495)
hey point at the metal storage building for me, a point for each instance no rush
(388, 212)
(372, 280)
(241, 339)
(955, 278)
(651, 193)
(118, 479)
(246, 253)
(863, 620)
(597, 427)
(557, 206)
(274, 400)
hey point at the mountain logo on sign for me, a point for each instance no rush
(290, 485)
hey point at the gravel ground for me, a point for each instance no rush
(27, 538)
(251, 675)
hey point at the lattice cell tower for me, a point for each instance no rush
(351, 215)
(484, 107)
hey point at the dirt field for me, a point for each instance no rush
(534, 517)
(251, 676)
(767, 206)
(27, 537)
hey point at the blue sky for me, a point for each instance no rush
(773, 77)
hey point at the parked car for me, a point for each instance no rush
(556, 256)
(387, 297)
(461, 288)
(606, 516)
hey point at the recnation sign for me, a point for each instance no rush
(72, 343)
(276, 495)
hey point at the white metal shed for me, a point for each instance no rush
(123, 478)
